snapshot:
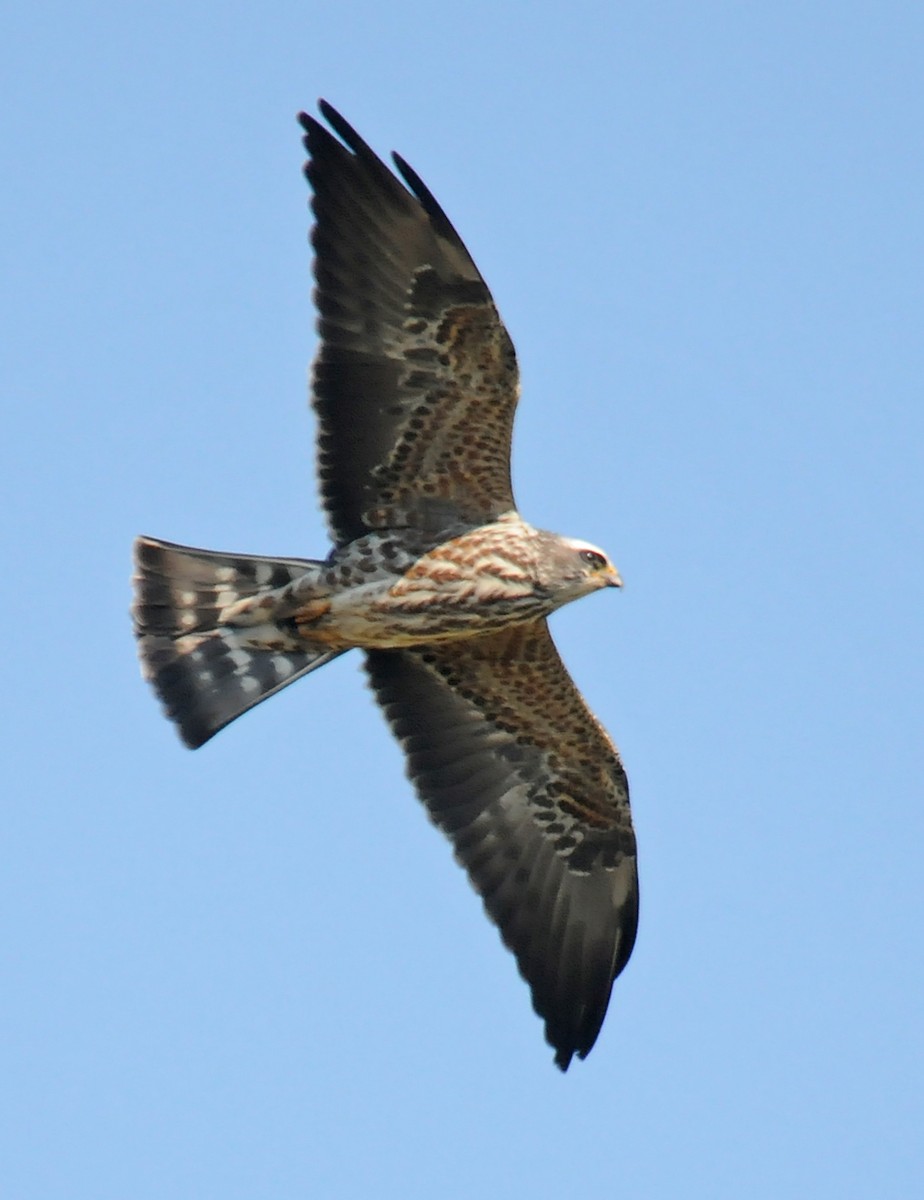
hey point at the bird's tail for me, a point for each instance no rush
(209, 635)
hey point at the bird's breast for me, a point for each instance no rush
(450, 592)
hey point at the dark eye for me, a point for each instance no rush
(593, 559)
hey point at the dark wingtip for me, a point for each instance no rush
(311, 131)
(429, 202)
(327, 111)
(316, 139)
(342, 127)
(306, 120)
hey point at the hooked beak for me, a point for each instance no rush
(613, 579)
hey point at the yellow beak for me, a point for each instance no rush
(613, 578)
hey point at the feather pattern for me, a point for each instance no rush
(415, 382)
(436, 577)
(513, 767)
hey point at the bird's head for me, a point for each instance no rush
(576, 568)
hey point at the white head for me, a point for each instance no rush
(571, 568)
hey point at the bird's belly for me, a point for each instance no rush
(378, 616)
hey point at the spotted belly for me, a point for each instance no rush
(409, 617)
(377, 595)
(458, 590)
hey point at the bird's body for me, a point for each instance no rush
(437, 578)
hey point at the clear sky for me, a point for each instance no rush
(254, 971)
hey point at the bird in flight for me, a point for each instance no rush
(436, 578)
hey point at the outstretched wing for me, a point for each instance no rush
(415, 382)
(523, 779)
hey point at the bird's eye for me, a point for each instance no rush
(594, 559)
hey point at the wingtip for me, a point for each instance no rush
(312, 127)
(564, 1055)
(327, 110)
(344, 130)
(305, 118)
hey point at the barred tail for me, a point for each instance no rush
(205, 668)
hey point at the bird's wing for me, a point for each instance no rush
(415, 382)
(518, 773)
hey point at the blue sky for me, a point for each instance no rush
(254, 970)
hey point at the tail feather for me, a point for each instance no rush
(208, 672)
(180, 589)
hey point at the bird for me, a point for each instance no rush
(435, 578)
